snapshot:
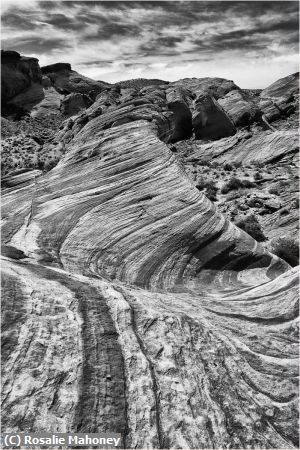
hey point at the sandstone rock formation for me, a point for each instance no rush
(73, 103)
(131, 302)
(20, 81)
(263, 147)
(18, 72)
(210, 121)
(281, 98)
(66, 80)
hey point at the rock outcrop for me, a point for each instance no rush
(20, 81)
(242, 111)
(281, 98)
(131, 303)
(245, 147)
(210, 121)
(67, 81)
(73, 103)
(17, 73)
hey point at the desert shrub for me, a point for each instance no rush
(257, 176)
(252, 226)
(237, 164)
(273, 190)
(243, 207)
(49, 165)
(204, 163)
(235, 183)
(287, 249)
(248, 184)
(255, 202)
(200, 184)
(232, 184)
(260, 165)
(225, 189)
(233, 195)
(234, 213)
(227, 167)
(210, 188)
(211, 191)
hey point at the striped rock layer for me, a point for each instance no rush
(136, 306)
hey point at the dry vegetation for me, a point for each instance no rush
(23, 144)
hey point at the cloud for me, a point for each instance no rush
(41, 45)
(167, 39)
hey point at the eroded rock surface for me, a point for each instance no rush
(131, 302)
(20, 81)
(66, 80)
(281, 98)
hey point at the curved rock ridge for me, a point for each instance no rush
(55, 334)
(131, 303)
(281, 98)
(286, 86)
(261, 147)
(122, 181)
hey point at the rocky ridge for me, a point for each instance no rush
(132, 302)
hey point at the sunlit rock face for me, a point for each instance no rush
(281, 98)
(245, 147)
(131, 304)
(66, 80)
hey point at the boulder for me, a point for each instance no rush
(240, 109)
(210, 121)
(176, 99)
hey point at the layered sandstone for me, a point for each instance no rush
(131, 302)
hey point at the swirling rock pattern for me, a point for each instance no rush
(244, 147)
(281, 98)
(138, 307)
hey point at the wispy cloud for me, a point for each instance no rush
(252, 42)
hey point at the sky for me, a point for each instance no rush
(252, 43)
